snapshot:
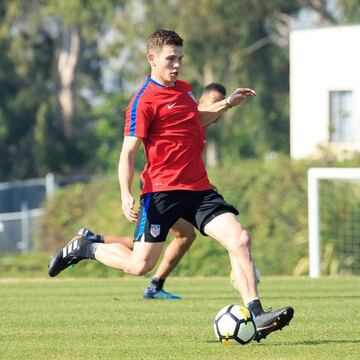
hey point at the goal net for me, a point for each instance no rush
(334, 221)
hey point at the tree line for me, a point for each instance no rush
(68, 69)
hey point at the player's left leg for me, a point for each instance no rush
(227, 230)
(184, 236)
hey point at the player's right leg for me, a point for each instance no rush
(157, 213)
(149, 237)
(106, 239)
(80, 247)
(138, 261)
(125, 240)
(117, 256)
(77, 249)
(184, 236)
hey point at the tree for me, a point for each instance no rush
(237, 45)
(349, 11)
(51, 75)
(58, 110)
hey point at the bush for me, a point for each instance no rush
(96, 205)
(272, 200)
(30, 265)
(271, 197)
(23, 265)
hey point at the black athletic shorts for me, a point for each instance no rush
(160, 210)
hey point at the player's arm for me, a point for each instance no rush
(210, 113)
(126, 169)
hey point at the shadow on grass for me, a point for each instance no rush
(279, 297)
(311, 296)
(312, 342)
(328, 341)
(305, 342)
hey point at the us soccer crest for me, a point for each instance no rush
(155, 230)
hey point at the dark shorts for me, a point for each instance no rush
(160, 210)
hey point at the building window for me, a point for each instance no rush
(341, 119)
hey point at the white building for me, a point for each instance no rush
(324, 90)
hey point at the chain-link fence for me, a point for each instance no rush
(18, 229)
(20, 209)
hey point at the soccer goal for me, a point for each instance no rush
(334, 221)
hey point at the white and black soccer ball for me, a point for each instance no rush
(234, 325)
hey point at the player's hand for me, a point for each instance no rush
(239, 95)
(128, 203)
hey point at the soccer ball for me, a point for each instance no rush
(234, 325)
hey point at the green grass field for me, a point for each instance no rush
(108, 319)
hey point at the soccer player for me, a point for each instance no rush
(164, 117)
(184, 233)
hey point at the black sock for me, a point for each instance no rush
(99, 238)
(157, 283)
(87, 250)
(93, 236)
(255, 307)
(92, 249)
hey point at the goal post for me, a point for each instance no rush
(314, 177)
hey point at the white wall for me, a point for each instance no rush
(321, 60)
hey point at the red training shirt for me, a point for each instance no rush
(167, 119)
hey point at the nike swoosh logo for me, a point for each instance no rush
(171, 106)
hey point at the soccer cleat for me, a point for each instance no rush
(151, 293)
(269, 321)
(75, 250)
(88, 234)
